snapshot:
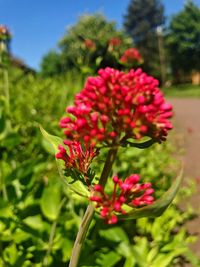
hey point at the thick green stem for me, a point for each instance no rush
(87, 218)
(81, 236)
(108, 165)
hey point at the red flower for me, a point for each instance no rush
(89, 44)
(128, 192)
(115, 41)
(130, 56)
(115, 106)
(77, 158)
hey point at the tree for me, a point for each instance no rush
(184, 40)
(90, 44)
(87, 42)
(141, 22)
(51, 64)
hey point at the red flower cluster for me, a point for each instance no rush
(4, 33)
(115, 41)
(89, 44)
(77, 158)
(130, 56)
(115, 106)
(128, 192)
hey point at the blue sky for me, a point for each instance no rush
(37, 25)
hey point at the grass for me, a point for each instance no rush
(183, 90)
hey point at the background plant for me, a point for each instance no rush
(93, 42)
(183, 39)
(141, 22)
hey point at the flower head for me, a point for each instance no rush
(115, 106)
(128, 192)
(130, 56)
(89, 44)
(115, 42)
(77, 158)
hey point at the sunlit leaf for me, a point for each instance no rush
(34, 222)
(50, 201)
(108, 259)
(115, 234)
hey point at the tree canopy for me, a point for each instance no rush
(141, 22)
(51, 63)
(184, 39)
(91, 43)
(95, 29)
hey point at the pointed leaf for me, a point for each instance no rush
(108, 259)
(140, 145)
(116, 234)
(159, 206)
(77, 186)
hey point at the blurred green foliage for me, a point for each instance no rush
(141, 22)
(170, 51)
(85, 47)
(39, 216)
(183, 90)
(52, 64)
(183, 40)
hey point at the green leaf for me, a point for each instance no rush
(6, 210)
(66, 249)
(77, 186)
(35, 222)
(11, 140)
(159, 206)
(50, 201)
(98, 60)
(140, 145)
(108, 259)
(115, 234)
(10, 254)
(152, 254)
(20, 236)
(130, 261)
(165, 259)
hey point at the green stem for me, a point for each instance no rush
(108, 165)
(50, 244)
(87, 218)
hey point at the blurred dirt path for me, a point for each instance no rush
(187, 125)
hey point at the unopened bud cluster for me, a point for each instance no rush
(115, 106)
(128, 192)
(76, 158)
